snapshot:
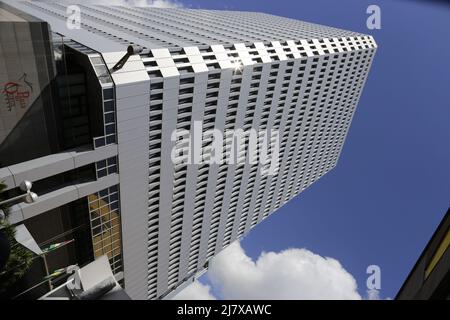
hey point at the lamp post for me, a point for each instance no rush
(27, 197)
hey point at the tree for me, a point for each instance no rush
(20, 258)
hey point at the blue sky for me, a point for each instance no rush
(391, 187)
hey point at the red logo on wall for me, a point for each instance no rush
(17, 93)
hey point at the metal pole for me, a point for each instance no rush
(29, 289)
(13, 199)
(47, 272)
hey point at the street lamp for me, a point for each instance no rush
(25, 185)
(27, 197)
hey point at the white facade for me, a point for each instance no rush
(301, 79)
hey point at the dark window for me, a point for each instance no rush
(108, 94)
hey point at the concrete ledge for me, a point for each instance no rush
(6, 177)
(53, 164)
(57, 198)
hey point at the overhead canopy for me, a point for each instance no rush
(24, 237)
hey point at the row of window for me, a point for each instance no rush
(312, 111)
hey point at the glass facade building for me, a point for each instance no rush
(58, 130)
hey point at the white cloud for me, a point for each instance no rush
(289, 274)
(164, 4)
(373, 294)
(134, 3)
(195, 291)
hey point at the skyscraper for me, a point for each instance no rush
(222, 70)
